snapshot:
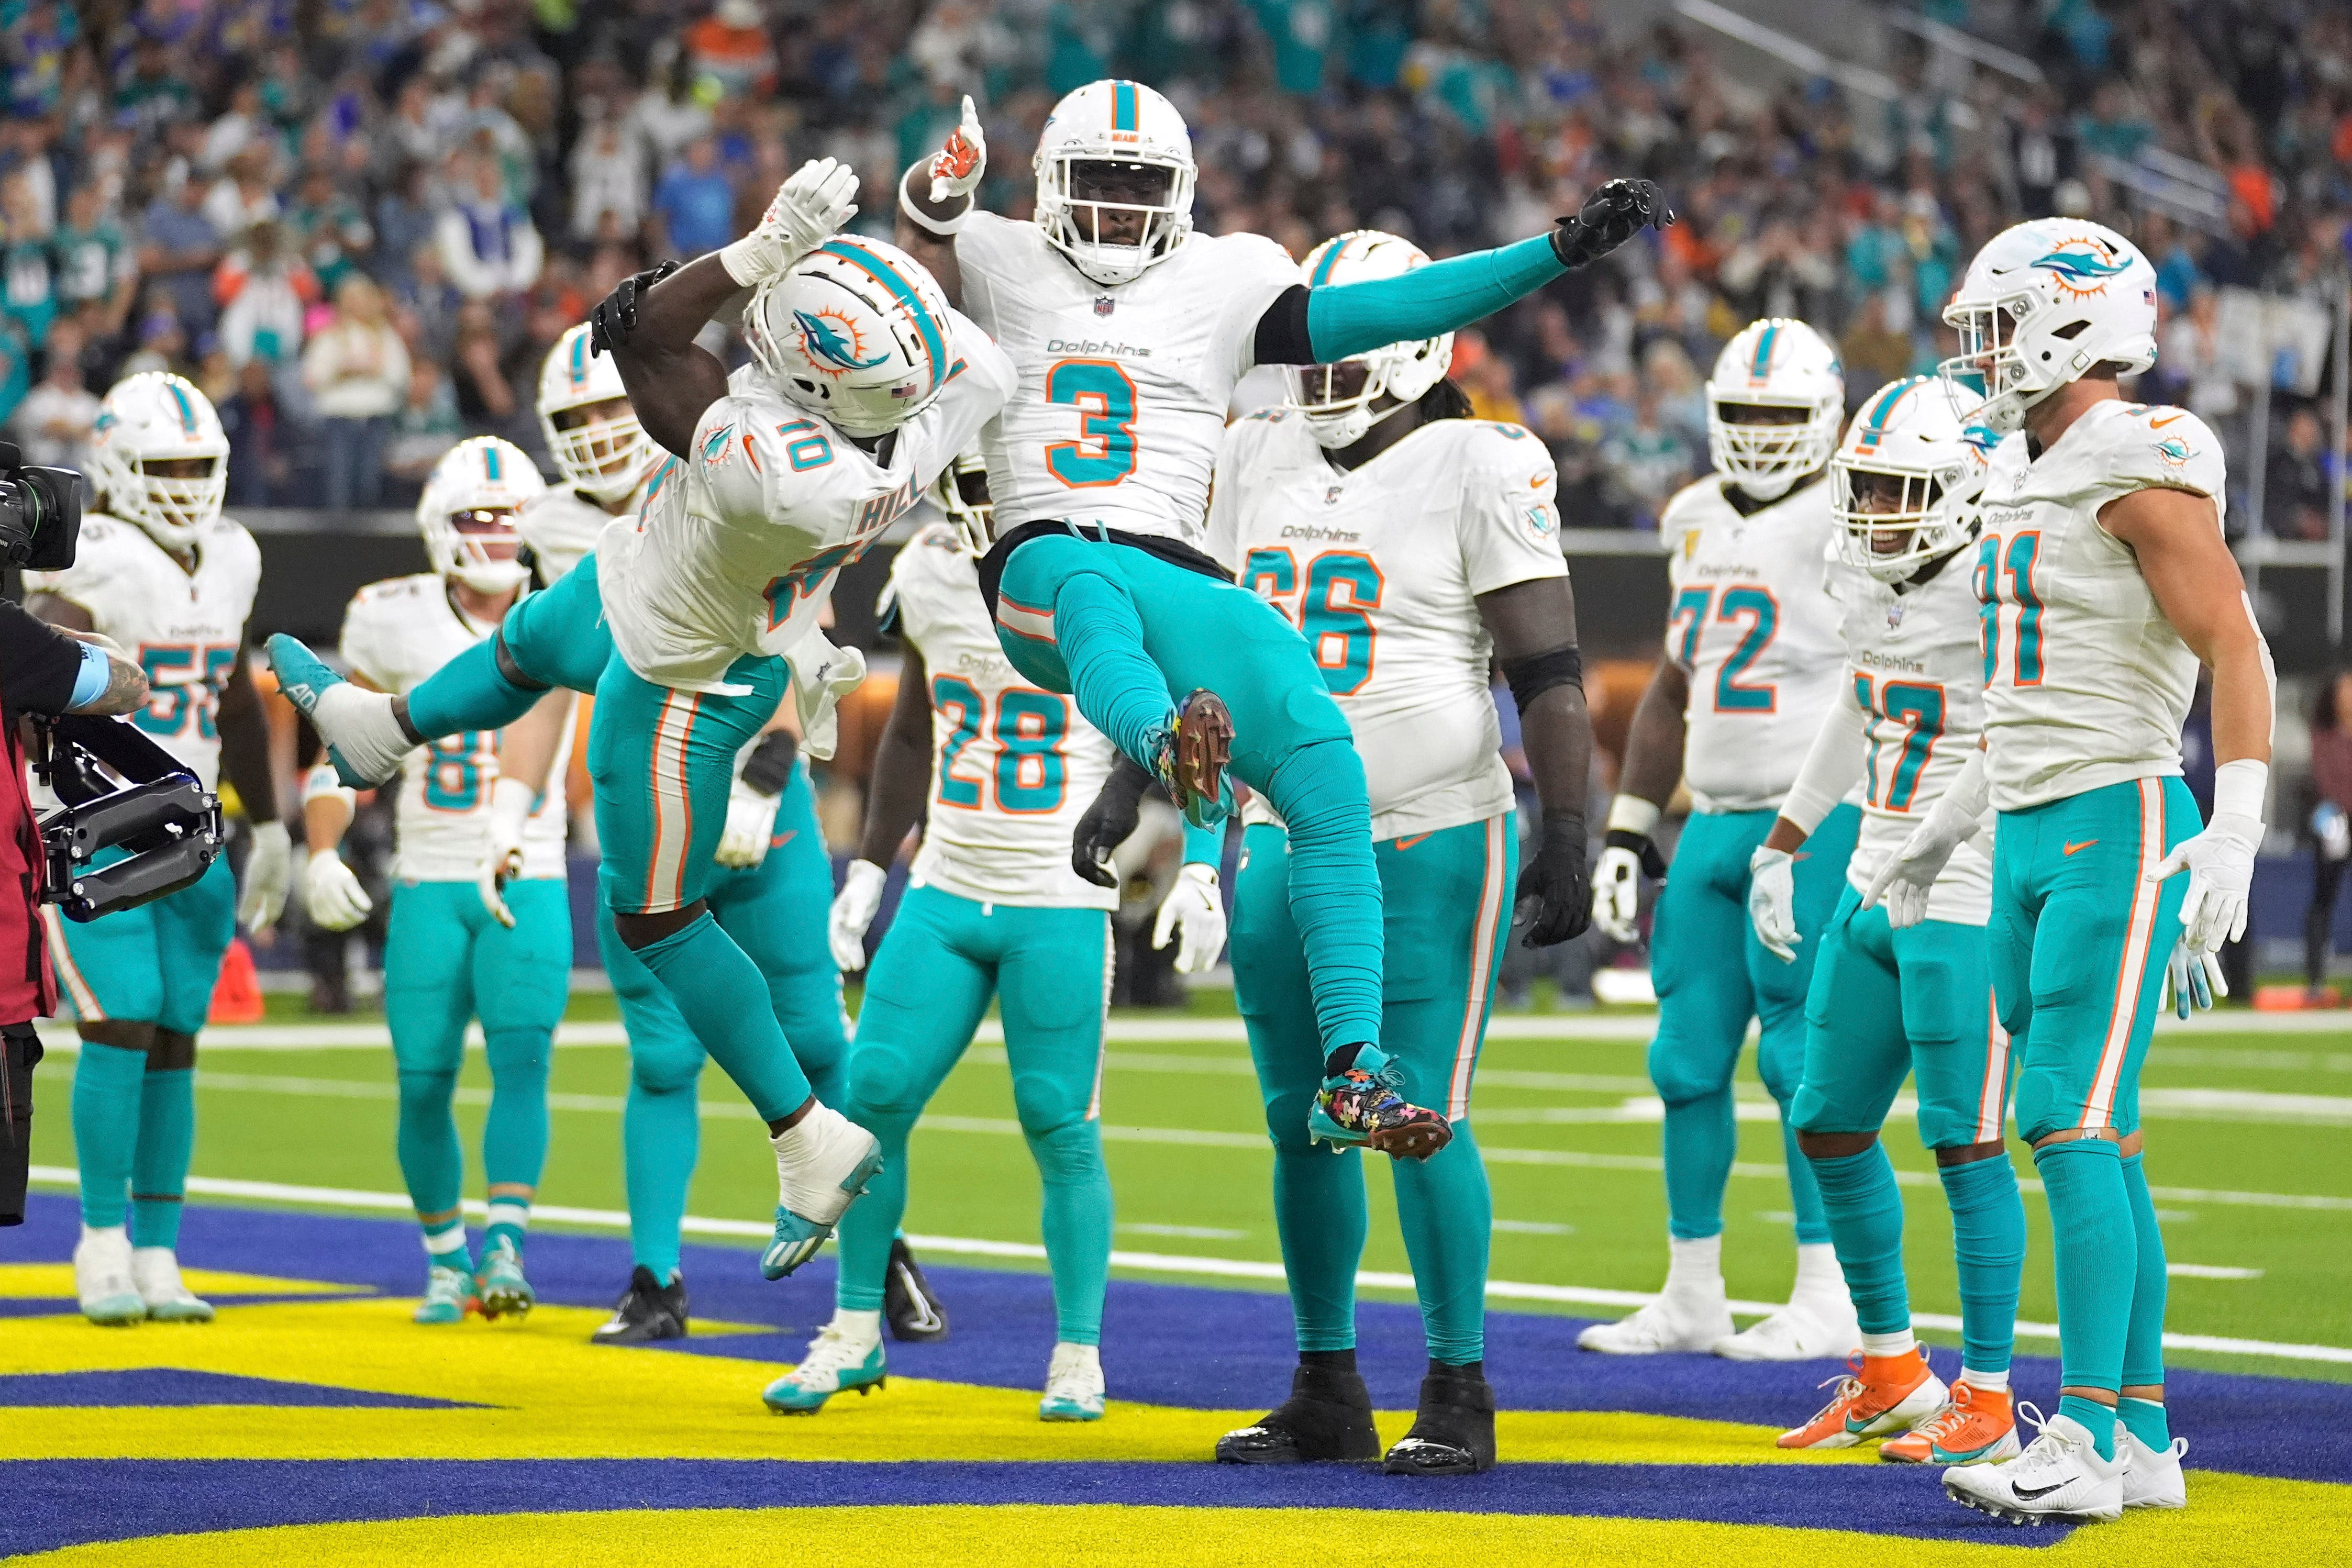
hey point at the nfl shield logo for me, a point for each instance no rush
(1105, 304)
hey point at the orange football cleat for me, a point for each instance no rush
(1884, 1394)
(1975, 1426)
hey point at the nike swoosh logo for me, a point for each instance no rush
(1803, 855)
(2161, 424)
(2086, 844)
(2032, 1494)
(1408, 843)
(780, 840)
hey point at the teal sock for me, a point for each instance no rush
(159, 1169)
(108, 1083)
(468, 692)
(1447, 1213)
(1117, 686)
(2144, 1419)
(661, 1137)
(2144, 1339)
(1319, 1214)
(431, 1163)
(1699, 1140)
(1805, 1197)
(711, 980)
(1988, 1245)
(1335, 886)
(1076, 1221)
(1864, 1210)
(2097, 1420)
(514, 1133)
(865, 1232)
(2095, 1258)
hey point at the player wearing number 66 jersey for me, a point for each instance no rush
(1752, 663)
(170, 580)
(1886, 1002)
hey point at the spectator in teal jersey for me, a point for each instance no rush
(94, 261)
(29, 272)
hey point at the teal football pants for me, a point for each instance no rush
(1049, 969)
(1446, 897)
(1712, 977)
(1126, 634)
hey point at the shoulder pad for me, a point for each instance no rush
(2158, 445)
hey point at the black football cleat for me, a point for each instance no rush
(1328, 1420)
(647, 1311)
(909, 1305)
(1453, 1431)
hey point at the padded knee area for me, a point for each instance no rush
(1285, 1122)
(426, 1090)
(658, 1070)
(513, 1051)
(1068, 1152)
(1682, 1081)
(883, 1080)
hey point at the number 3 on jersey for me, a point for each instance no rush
(1104, 453)
(1757, 613)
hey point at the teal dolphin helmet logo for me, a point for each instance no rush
(2083, 265)
(1982, 438)
(826, 343)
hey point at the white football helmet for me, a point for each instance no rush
(857, 332)
(1340, 400)
(607, 454)
(1907, 478)
(962, 492)
(1122, 123)
(1770, 366)
(2042, 303)
(468, 513)
(157, 421)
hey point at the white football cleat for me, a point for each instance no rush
(2059, 1476)
(1073, 1384)
(843, 1356)
(102, 1277)
(156, 1272)
(1672, 1322)
(823, 1162)
(1810, 1328)
(2152, 1477)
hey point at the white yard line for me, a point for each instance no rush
(1149, 1262)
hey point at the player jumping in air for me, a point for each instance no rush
(1129, 331)
(1413, 545)
(2105, 581)
(171, 581)
(1752, 664)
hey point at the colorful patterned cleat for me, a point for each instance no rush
(823, 1162)
(1191, 758)
(102, 1278)
(449, 1295)
(363, 740)
(1884, 1394)
(155, 1270)
(1360, 1108)
(502, 1290)
(1073, 1384)
(1974, 1427)
(647, 1311)
(838, 1360)
(909, 1305)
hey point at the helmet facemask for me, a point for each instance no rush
(601, 447)
(479, 546)
(174, 499)
(1764, 444)
(962, 493)
(1114, 217)
(1893, 521)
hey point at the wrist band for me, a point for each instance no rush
(2241, 788)
(1632, 814)
(944, 228)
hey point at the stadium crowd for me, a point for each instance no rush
(359, 223)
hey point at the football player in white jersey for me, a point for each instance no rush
(2105, 581)
(1753, 661)
(599, 446)
(448, 958)
(1412, 544)
(1129, 331)
(169, 581)
(864, 386)
(1906, 484)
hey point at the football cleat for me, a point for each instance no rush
(499, 1284)
(1453, 1431)
(1073, 1384)
(823, 1162)
(1810, 1328)
(1328, 1418)
(1882, 1393)
(365, 740)
(838, 1360)
(1191, 755)
(1361, 1108)
(2152, 1477)
(1975, 1426)
(156, 1272)
(647, 1311)
(1673, 1322)
(102, 1277)
(909, 1305)
(2059, 1476)
(449, 1295)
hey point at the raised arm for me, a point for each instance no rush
(935, 196)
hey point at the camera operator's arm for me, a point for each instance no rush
(55, 668)
(245, 763)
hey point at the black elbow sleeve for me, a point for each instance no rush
(1282, 331)
(1533, 674)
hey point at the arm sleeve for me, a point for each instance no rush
(1205, 846)
(1509, 518)
(1349, 319)
(39, 664)
(1832, 767)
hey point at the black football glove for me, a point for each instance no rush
(615, 315)
(1555, 891)
(1108, 821)
(770, 766)
(1609, 216)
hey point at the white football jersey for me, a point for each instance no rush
(1012, 768)
(1380, 569)
(734, 553)
(1912, 666)
(183, 628)
(1751, 625)
(2086, 684)
(562, 528)
(1121, 405)
(395, 633)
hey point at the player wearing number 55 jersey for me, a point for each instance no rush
(1752, 663)
(172, 581)
(2105, 580)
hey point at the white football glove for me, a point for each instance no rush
(511, 801)
(1958, 817)
(809, 209)
(1772, 901)
(1193, 912)
(956, 169)
(2220, 861)
(333, 894)
(2191, 981)
(853, 908)
(268, 874)
(1617, 893)
(750, 826)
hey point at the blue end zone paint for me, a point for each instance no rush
(1195, 1347)
(148, 1386)
(50, 1499)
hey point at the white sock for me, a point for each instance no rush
(1890, 1343)
(1818, 1273)
(439, 1246)
(1695, 1267)
(1085, 1355)
(106, 1233)
(862, 1327)
(507, 1211)
(360, 725)
(1992, 1381)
